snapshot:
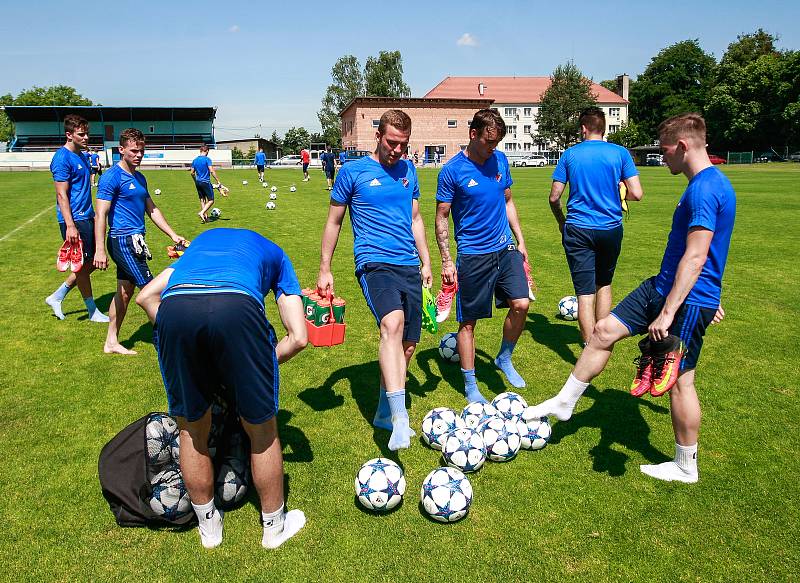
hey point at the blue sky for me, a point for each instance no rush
(269, 63)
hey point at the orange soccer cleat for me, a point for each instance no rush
(62, 259)
(666, 364)
(76, 257)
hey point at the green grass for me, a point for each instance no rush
(579, 509)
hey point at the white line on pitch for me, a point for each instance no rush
(26, 223)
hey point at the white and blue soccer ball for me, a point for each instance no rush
(231, 482)
(534, 431)
(501, 438)
(274, 189)
(161, 435)
(169, 497)
(446, 494)
(157, 191)
(292, 188)
(476, 414)
(273, 196)
(448, 347)
(509, 404)
(215, 213)
(270, 206)
(464, 449)
(244, 182)
(265, 184)
(439, 422)
(380, 485)
(568, 307)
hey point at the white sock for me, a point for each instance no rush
(686, 457)
(98, 316)
(563, 403)
(55, 305)
(280, 527)
(682, 469)
(209, 523)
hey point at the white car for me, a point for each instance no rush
(289, 160)
(534, 160)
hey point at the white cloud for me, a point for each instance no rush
(234, 28)
(467, 40)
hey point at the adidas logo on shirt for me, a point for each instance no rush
(131, 186)
(80, 167)
(472, 182)
(375, 182)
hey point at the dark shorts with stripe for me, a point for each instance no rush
(204, 190)
(388, 288)
(499, 275)
(131, 266)
(640, 307)
(592, 256)
(86, 231)
(214, 340)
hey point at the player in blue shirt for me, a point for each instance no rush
(122, 201)
(94, 161)
(75, 215)
(202, 170)
(208, 311)
(592, 230)
(328, 165)
(382, 193)
(342, 158)
(476, 186)
(673, 308)
(261, 162)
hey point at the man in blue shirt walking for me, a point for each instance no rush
(260, 161)
(673, 308)
(202, 170)
(211, 329)
(592, 230)
(391, 257)
(122, 201)
(327, 158)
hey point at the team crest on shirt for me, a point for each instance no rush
(405, 182)
(499, 177)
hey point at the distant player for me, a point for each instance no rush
(673, 308)
(202, 170)
(342, 158)
(475, 185)
(261, 161)
(212, 331)
(327, 158)
(122, 201)
(382, 193)
(94, 160)
(305, 158)
(75, 216)
(592, 229)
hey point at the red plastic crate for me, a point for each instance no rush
(327, 335)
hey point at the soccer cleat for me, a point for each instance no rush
(429, 312)
(643, 380)
(62, 259)
(76, 257)
(176, 250)
(531, 283)
(444, 301)
(666, 364)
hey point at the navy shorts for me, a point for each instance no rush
(86, 231)
(260, 168)
(388, 288)
(330, 173)
(640, 307)
(131, 263)
(499, 275)
(207, 341)
(592, 256)
(204, 190)
(305, 167)
(95, 170)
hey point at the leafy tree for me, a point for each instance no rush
(610, 84)
(628, 135)
(348, 82)
(383, 75)
(749, 47)
(251, 153)
(55, 95)
(296, 139)
(237, 155)
(276, 139)
(677, 80)
(569, 93)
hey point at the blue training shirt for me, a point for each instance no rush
(201, 171)
(261, 158)
(593, 169)
(233, 261)
(477, 197)
(709, 202)
(379, 199)
(342, 157)
(327, 159)
(127, 194)
(67, 166)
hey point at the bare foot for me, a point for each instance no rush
(202, 218)
(117, 349)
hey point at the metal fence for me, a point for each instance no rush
(740, 157)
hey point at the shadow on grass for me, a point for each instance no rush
(485, 372)
(618, 416)
(556, 336)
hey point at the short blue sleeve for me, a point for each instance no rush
(343, 187)
(560, 174)
(61, 169)
(446, 187)
(703, 210)
(287, 279)
(507, 172)
(628, 167)
(107, 186)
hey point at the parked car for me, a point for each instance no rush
(353, 155)
(794, 157)
(768, 157)
(289, 160)
(532, 160)
(717, 159)
(654, 160)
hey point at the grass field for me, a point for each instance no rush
(578, 509)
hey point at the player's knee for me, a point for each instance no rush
(520, 305)
(392, 325)
(603, 334)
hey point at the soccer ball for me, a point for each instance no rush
(292, 188)
(273, 196)
(231, 482)
(265, 185)
(380, 485)
(446, 494)
(244, 182)
(157, 191)
(274, 189)
(215, 213)
(169, 497)
(476, 414)
(270, 206)
(509, 404)
(534, 431)
(448, 348)
(161, 434)
(568, 307)
(438, 423)
(501, 438)
(464, 449)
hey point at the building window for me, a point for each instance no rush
(526, 111)
(613, 128)
(376, 123)
(613, 111)
(452, 123)
(527, 146)
(510, 111)
(511, 131)
(526, 129)
(152, 129)
(511, 147)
